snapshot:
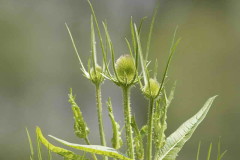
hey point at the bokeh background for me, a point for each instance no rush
(38, 66)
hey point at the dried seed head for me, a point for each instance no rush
(152, 91)
(125, 68)
(96, 77)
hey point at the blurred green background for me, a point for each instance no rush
(38, 66)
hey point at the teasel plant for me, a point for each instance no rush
(128, 70)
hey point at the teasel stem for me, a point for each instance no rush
(100, 119)
(150, 128)
(127, 119)
(88, 143)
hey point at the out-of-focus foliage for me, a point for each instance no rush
(37, 66)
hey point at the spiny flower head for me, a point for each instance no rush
(125, 69)
(152, 90)
(96, 74)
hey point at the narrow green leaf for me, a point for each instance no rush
(150, 32)
(111, 49)
(80, 127)
(49, 154)
(39, 148)
(63, 152)
(101, 150)
(198, 152)
(138, 140)
(176, 140)
(209, 151)
(171, 52)
(99, 34)
(134, 43)
(142, 61)
(220, 155)
(93, 46)
(129, 47)
(116, 139)
(155, 69)
(76, 51)
(30, 145)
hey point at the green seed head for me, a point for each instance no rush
(96, 77)
(152, 91)
(125, 68)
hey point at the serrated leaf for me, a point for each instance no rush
(63, 152)
(176, 140)
(138, 140)
(160, 118)
(101, 150)
(80, 127)
(116, 139)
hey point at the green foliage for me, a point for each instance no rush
(116, 139)
(63, 152)
(176, 140)
(138, 140)
(106, 151)
(219, 153)
(80, 127)
(126, 73)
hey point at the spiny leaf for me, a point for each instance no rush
(80, 127)
(63, 152)
(101, 150)
(138, 140)
(160, 125)
(160, 118)
(176, 140)
(116, 139)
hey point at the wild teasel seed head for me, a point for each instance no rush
(97, 76)
(152, 91)
(125, 68)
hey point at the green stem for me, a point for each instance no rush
(99, 111)
(88, 143)
(127, 119)
(150, 128)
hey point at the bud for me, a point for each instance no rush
(125, 68)
(153, 90)
(96, 77)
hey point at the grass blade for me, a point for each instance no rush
(198, 152)
(30, 145)
(209, 152)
